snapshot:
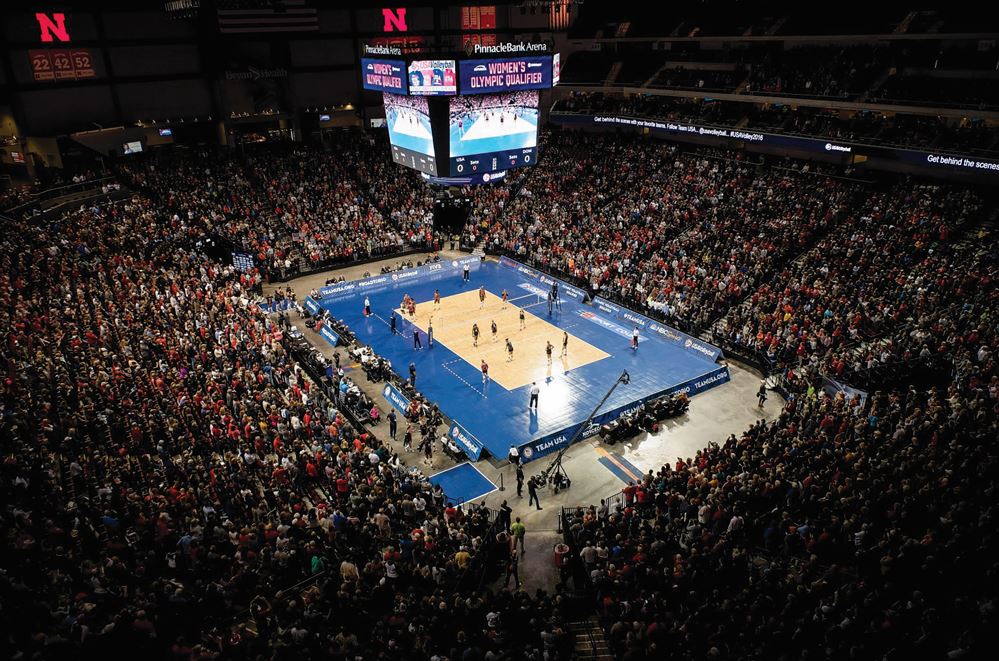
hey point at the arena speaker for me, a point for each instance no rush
(451, 212)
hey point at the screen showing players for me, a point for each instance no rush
(408, 120)
(493, 132)
(384, 75)
(432, 77)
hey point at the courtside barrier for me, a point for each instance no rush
(556, 441)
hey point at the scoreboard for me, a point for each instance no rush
(476, 117)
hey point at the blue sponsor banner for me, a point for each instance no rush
(468, 443)
(529, 72)
(564, 288)
(922, 159)
(693, 345)
(606, 306)
(554, 442)
(388, 280)
(615, 328)
(394, 397)
(329, 335)
(384, 75)
(311, 305)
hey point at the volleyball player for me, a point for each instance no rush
(485, 370)
(509, 350)
(437, 299)
(495, 337)
(548, 351)
(475, 335)
(565, 343)
(482, 297)
(506, 297)
(523, 324)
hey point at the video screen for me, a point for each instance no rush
(383, 75)
(166, 133)
(432, 77)
(556, 71)
(132, 147)
(408, 120)
(493, 132)
(511, 74)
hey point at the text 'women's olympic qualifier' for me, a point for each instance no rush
(505, 75)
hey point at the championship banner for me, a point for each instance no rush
(468, 443)
(529, 72)
(394, 397)
(384, 75)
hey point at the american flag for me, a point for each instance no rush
(249, 16)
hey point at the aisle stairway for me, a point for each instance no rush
(590, 642)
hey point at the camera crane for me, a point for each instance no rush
(555, 471)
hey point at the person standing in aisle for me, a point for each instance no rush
(519, 531)
(532, 493)
(761, 394)
(393, 423)
(520, 481)
(512, 570)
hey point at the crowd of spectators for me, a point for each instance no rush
(175, 484)
(833, 532)
(682, 234)
(301, 208)
(843, 292)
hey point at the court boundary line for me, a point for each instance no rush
(460, 378)
(471, 465)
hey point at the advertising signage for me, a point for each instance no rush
(384, 75)
(432, 77)
(529, 72)
(925, 160)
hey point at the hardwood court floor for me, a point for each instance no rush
(453, 328)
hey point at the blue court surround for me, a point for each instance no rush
(495, 417)
(463, 483)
